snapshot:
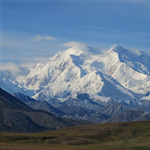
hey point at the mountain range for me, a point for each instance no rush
(87, 84)
(15, 116)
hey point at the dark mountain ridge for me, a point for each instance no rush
(15, 116)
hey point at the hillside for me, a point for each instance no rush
(15, 116)
(108, 136)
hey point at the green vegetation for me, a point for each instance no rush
(109, 136)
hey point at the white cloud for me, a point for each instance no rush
(28, 65)
(103, 28)
(9, 66)
(79, 45)
(23, 68)
(38, 38)
(49, 38)
(84, 47)
(29, 62)
(14, 69)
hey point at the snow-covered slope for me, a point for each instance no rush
(9, 84)
(117, 75)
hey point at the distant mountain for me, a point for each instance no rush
(127, 116)
(112, 112)
(96, 118)
(38, 104)
(45, 106)
(107, 112)
(114, 108)
(15, 116)
(117, 75)
(74, 112)
(87, 84)
(144, 116)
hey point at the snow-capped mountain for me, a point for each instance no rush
(119, 75)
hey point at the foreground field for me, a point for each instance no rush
(110, 136)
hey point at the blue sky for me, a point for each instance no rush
(33, 30)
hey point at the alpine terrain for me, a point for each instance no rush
(88, 84)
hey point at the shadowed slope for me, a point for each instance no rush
(15, 116)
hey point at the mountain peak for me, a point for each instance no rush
(116, 46)
(118, 49)
(74, 51)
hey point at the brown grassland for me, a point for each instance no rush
(109, 136)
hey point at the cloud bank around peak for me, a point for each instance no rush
(14, 69)
(23, 68)
(79, 45)
(84, 47)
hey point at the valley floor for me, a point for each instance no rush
(109, 136)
